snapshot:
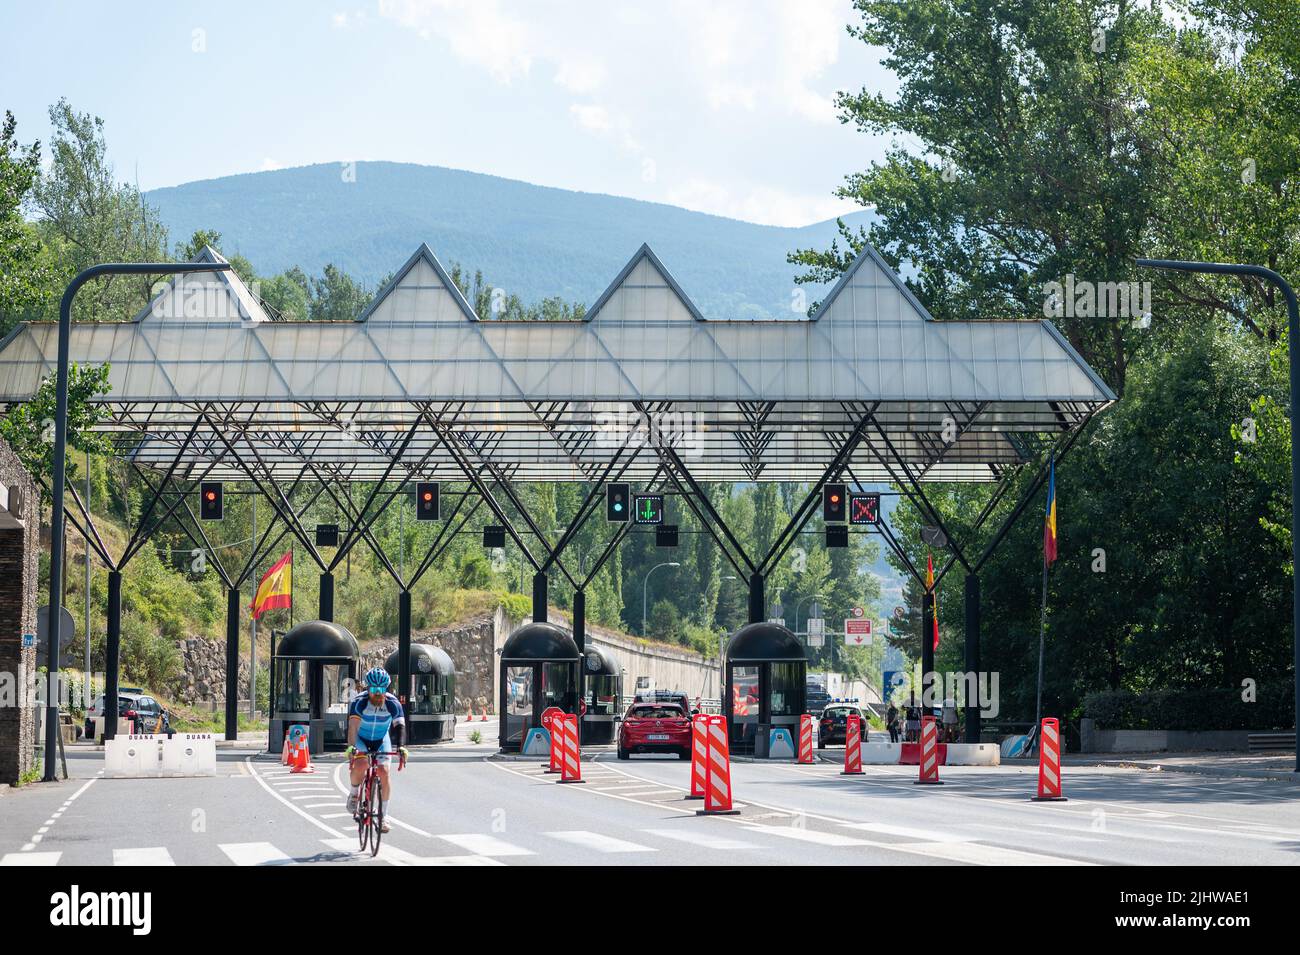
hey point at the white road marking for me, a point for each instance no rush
(484, 845)
(395, 856)
(977, 854)
(809, 835)
(30, 858)
(156, 855)
(597, 842)
(254, 853)
(907, 832)
(300, 811)
(704, 839)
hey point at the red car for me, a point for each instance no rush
(655, 728)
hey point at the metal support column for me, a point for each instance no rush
(232, 663)
(112, 654)
(580, 638)
(972, 658)
(757, 598)
(326, 596)
(539, 597)
(404, 647)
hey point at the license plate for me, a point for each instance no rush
(657, 736)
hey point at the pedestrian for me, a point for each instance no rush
(950, 720)
(913, 725)
(891, 722)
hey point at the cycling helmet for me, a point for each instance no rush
(377, 680)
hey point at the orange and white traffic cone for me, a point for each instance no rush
(1049, 761)
(483, 717)
(571, 760)
(284, 750)
(805, 738)
(300, 757)
(699, 755)
(929, 753)
(717, 792)
(853, 747)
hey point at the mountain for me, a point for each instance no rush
(533, 241)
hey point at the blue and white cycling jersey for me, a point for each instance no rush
(375, 720)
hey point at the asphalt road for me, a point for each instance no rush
(454, 805)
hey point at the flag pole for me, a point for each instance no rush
(1048, 521)
(1042, 630)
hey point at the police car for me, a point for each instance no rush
(833, 727)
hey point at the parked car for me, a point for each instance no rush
(655, 728)
(135, 705)
(834, 724)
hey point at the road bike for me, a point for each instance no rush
(370, 805)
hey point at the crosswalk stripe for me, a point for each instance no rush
(808, 835)
(30, 858)
(597, 842)
(254, 853)
(485, 845)
(704, 839)
(155, 855)
(978, 854)
(395, 856)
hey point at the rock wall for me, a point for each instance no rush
(203, 673)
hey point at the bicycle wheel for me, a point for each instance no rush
(363, 813)
(376, 825)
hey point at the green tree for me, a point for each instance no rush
(30, 278)
(29, 427)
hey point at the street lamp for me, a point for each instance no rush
(801, 603)
(645, 584)
(60, 474)
(1293, 337)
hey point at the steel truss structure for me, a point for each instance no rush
(205, 385)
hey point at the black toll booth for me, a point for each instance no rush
(313, 671)
(539, 669)
(600, 693)
(765, 686)
(429, 716)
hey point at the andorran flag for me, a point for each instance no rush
(1049, 519)
(276, 587)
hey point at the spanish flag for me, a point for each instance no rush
(934, 598)
(1049, 521)
(276, 587)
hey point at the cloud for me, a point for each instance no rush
(765, 205)
(478, 32)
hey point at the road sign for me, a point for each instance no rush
(864, 508)
(816, 625)
(899, 613)
(857, 632)
(648, 508)
(858, 612)
(67, 629)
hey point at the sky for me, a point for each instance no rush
(720, 107)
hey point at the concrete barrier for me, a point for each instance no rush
(950, 754)
(184, 754)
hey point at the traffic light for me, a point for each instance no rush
(833, 503)
(617, 500)
(864, 508)
(426, 501)
(210, 500)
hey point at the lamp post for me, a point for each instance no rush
(1293, 337)
(800, 604)
(60, 474)
(645, 585)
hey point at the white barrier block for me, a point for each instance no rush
(974, 754)
(132, 756)
(190, 754)
(882, 754)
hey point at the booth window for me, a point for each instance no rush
(744, 694)
(787, 681)
(602, 694)
(291, 692)
(557, 686)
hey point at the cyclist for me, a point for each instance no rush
(377, 725)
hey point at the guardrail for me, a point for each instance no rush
(1263, 742)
